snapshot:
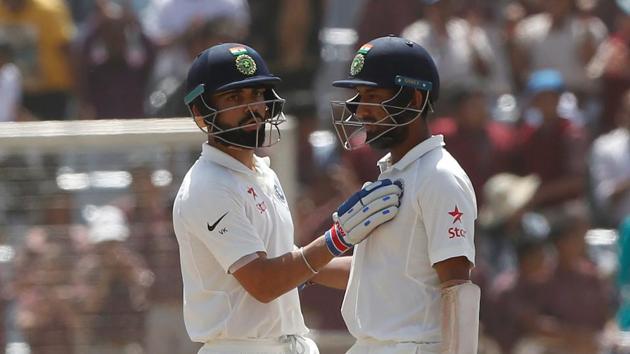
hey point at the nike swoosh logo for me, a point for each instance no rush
(211, 227)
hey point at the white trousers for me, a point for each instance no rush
(391, 347)
(284, 345)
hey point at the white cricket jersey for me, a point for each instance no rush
(224, 211)
(393, 293)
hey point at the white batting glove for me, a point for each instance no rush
(375, 204)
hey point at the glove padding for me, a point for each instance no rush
(375, 204)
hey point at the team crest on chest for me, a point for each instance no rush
(251, 191)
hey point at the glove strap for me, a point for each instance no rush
(335, 242)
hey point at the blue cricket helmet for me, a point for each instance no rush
(392, 62)
(228, 66)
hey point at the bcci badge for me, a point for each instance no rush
(245, 64)
(357, 64)
(279, 193)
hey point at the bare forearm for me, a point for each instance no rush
(335, 274)
(268, 278)
(559, 190)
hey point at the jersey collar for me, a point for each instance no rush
(210, 153)
(434, 142)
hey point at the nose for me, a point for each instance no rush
(258, 107)
(363, 111)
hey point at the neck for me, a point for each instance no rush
(244, 156)
(416, 136)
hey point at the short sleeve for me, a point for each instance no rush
(449, 211)
(220, 221)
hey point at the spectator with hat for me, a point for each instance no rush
(112, 284)
(551, 146)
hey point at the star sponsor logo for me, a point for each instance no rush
(455, 232)
(456, 214)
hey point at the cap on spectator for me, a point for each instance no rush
(545, 80)
(624, 5)
(504, 194)
(107, 223)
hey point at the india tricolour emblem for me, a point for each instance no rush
(245, 64)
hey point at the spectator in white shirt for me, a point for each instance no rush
(610, 170)
(10, 85)
(558, 38)
(462, 53)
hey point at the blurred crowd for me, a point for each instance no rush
(534, 104)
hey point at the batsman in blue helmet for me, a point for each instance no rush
(241, 269)
(410, 289)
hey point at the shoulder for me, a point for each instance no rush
(441, 173)
(611, 140)
(207, 184)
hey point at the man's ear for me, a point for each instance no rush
(417, 100)
(201, 123)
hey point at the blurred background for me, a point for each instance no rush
(535, 105)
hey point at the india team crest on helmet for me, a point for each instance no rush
(245, 64)
(357, 64)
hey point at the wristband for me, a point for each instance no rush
(306, 261)
(335, 242)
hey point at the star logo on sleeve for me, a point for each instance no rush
(456, 214)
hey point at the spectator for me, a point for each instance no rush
(168, 92)
(152, 237)
(167, 20)
(462, 52)
(550, 146)
(112, 283)
(40, 32)
(10, 84)
(501, 218)
(40, 285)
(114, 54)
(610, 169)
(483, 146)
(611, 66)
(376, 17)
(558, 38)
(519, 296)
(44, 312)
(181, 30)
(575, 325)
